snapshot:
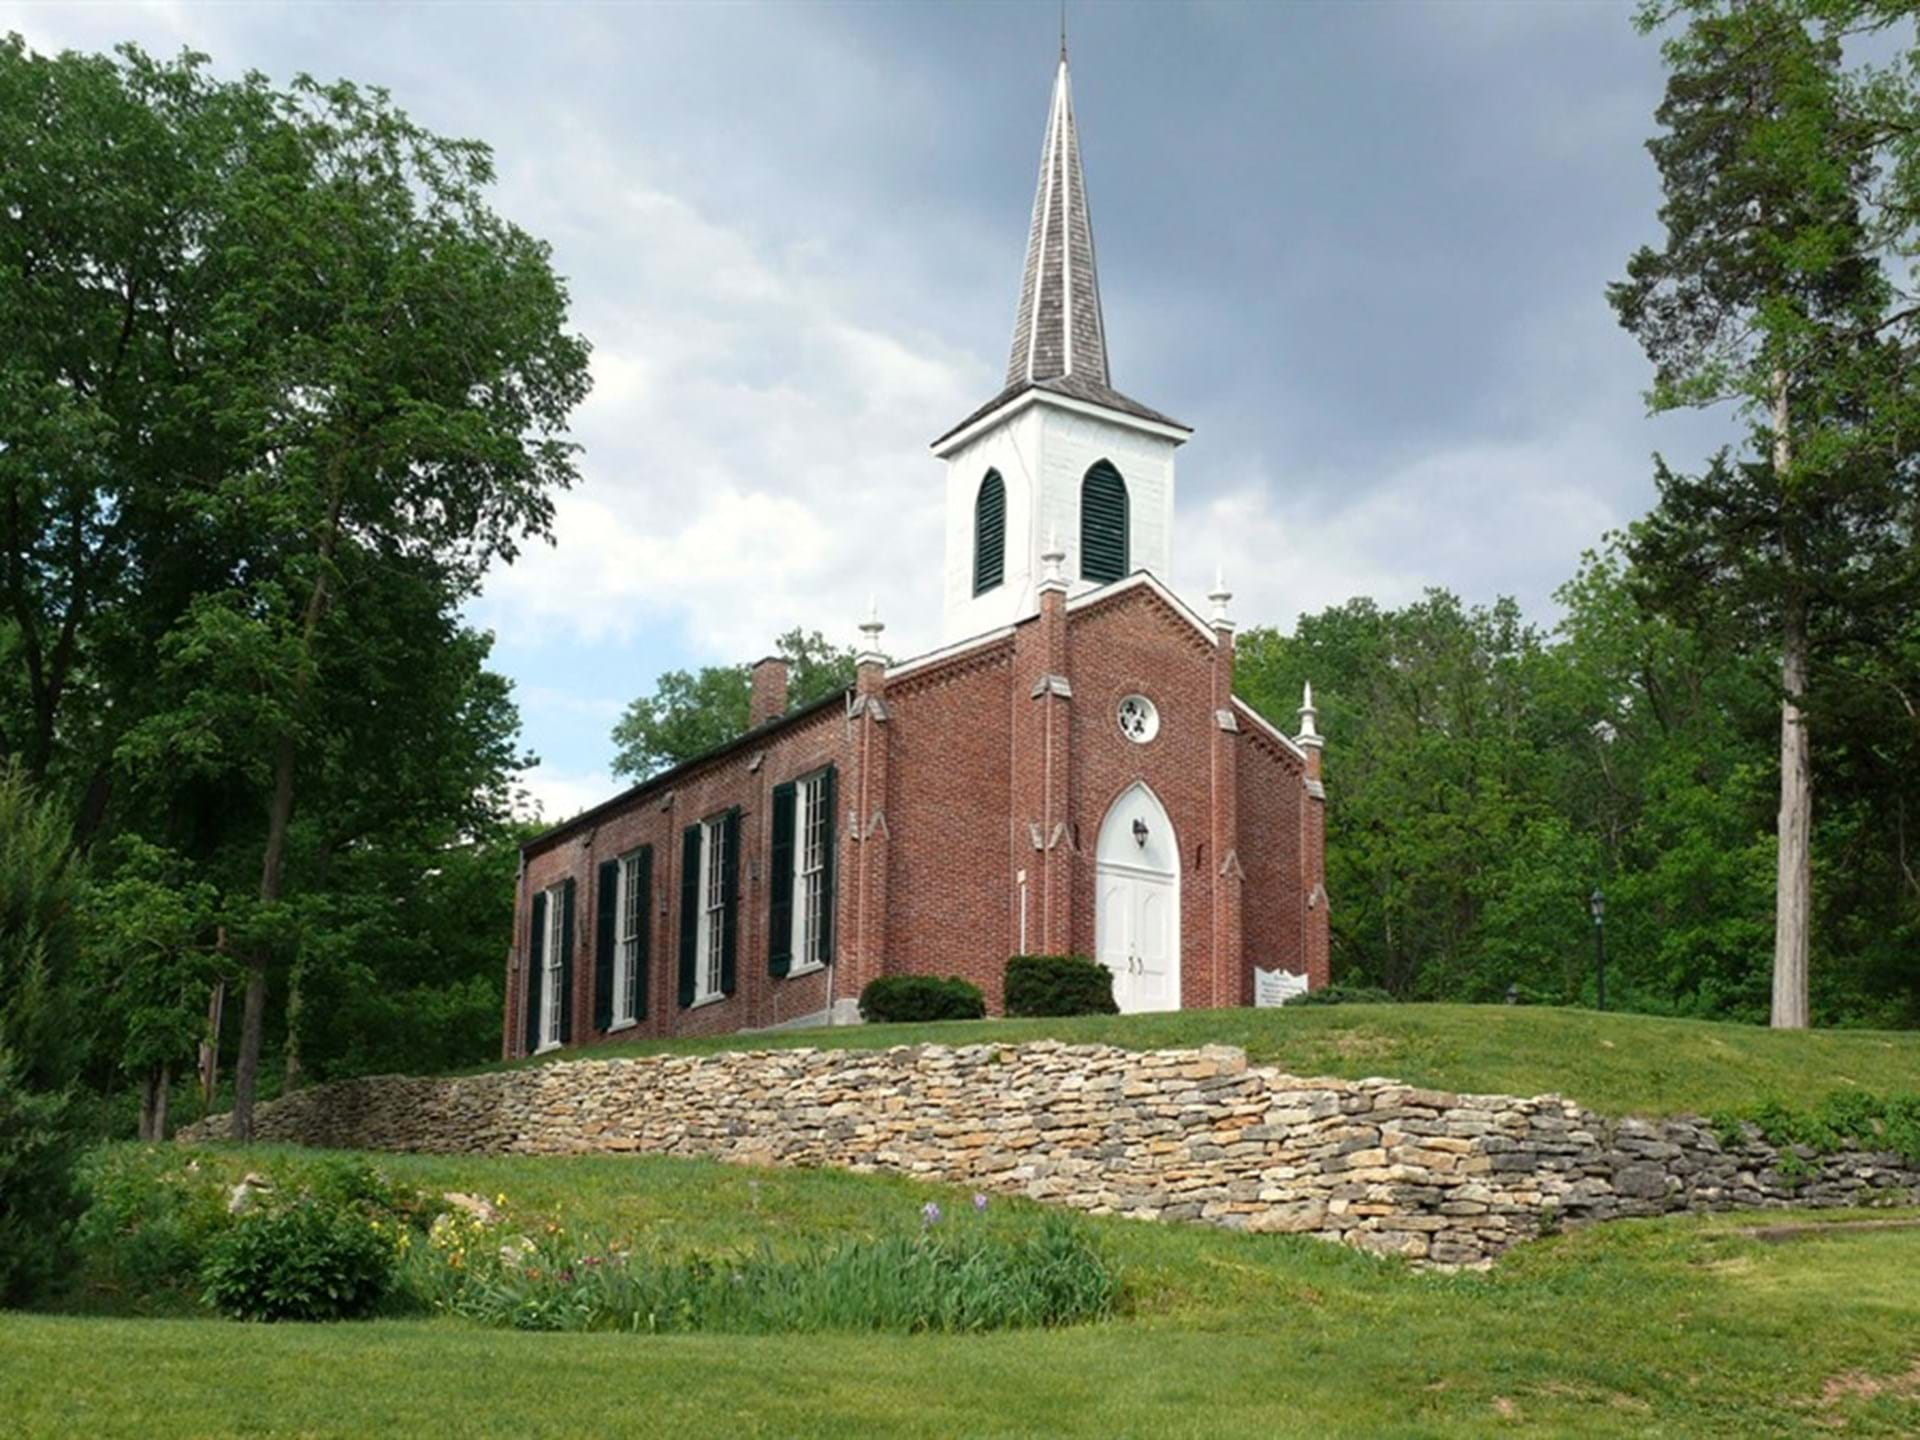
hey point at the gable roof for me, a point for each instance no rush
(657, 783)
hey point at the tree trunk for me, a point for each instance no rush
(153, 1103)
(1794, 893)
(246, 1070)
(1793, 890)
(291, 1080)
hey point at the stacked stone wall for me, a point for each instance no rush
(1196, 1135)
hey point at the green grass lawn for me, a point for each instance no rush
(1674, 1327)
(1616, 1064)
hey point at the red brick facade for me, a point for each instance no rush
(964, 782)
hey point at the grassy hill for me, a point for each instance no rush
(1677, 1327)
(1616, 1064)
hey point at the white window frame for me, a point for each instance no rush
(709, 952)
(809, 872)
(552, 965)
(630, 913)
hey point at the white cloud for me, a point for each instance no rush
(554, 795)
(1530, 505)
(755, 448)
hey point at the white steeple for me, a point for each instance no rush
(1056, 418)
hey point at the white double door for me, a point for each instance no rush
(1138, 937)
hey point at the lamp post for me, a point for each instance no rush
(1597, 907)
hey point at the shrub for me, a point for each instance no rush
(1343, 995)
(152, 1212)
(305, 1261)
(36, 1188)
(911, 998)
(1059, 985)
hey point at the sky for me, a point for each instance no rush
(1362, 248)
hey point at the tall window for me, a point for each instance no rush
(1103, 525)
(989, 533)
(713, 909)
(810, 871)
(632, 910)
(551, 983)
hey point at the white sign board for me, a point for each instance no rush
(1276, 987)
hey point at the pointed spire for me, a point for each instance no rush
(1059, 330)
(870, 629)
(1220, 595)
(1309, 735)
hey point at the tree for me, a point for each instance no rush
(691, 712)
(39, 1051)
(152, 956)
(1766, 295)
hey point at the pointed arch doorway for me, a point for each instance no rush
(1137, 915)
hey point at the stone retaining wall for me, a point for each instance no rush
(1163, 1135)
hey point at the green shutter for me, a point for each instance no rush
(643, 941)
(780, 882)
(1103, 525)
(605, 939)
(989, 533)
(536, 970)
(568, 939)
(730, 892)
(689, 910)
(827, 841)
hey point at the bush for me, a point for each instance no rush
(305, 1261)
(36, 1189)
(905, 999)
(151, 1215)
(1343, 995)
(1059, 985)
(156, 1214)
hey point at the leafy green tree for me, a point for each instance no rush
(345, 365)
(39, 1055)
(152, 959)
(1767, 294)
(691, 712)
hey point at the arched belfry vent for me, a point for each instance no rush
(990, 533)
(1059, 329)
(1059, 332)
(1103, 525)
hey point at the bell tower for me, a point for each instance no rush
(1058, 452)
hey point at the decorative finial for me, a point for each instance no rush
(1308, 715)
(870, 629)
(1063, 32)
(1220, 595)
(1054, 558)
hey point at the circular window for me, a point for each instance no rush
(1139, 721)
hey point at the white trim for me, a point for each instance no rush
(549, 1045)
(626, 1024)
(1143, 577)
(948, 652)
(1268, 726)
(942, 448)
(811, 968)
(713, 999)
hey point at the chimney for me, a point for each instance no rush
(769, 699)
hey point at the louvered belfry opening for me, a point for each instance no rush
(1103, 524)
(990, 533)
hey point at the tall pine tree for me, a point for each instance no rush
(1767, 295)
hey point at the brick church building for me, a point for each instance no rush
(1070, 772)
